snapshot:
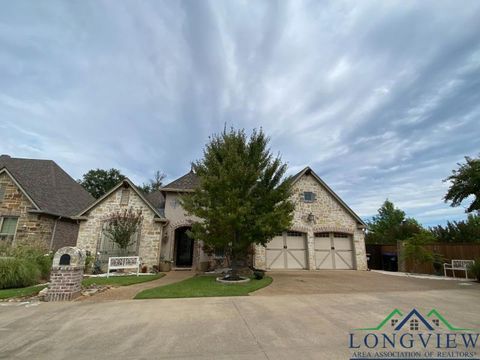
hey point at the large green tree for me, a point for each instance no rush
(243, 197)
(98, 181)
(465, 183)
(390, 225)
(465, 231)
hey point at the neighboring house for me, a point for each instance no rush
(124, 196)
(325, 234)
(37, 202)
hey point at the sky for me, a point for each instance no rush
(380, 98)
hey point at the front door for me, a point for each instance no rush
(183, 248)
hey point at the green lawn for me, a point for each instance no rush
(203, 286)
(120, 280)
(26, 291)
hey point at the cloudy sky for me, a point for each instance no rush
(381, 98)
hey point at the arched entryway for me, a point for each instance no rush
(183, 247)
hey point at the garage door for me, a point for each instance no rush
(333, 251)
(287, 251)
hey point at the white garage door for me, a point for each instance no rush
(333, 251)
(287, 251)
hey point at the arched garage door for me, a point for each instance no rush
(333, 251)
(287, 251)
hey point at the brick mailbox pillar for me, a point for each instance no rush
(66, 275)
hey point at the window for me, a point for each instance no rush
(414, 324)
(322, 235)
(308, 196)
(340, 235)
(8, 227)
(219, 253)
(2, 193)
(125, 196)
(294, 233)
(436, 322)
(394, 322)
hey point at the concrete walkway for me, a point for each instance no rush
(129, 292)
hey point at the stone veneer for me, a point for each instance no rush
(30, 227)
(90, 232)
(330, 216)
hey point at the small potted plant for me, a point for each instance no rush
(165, 264)
(437, 263)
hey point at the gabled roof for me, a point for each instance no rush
(309, 171)
(51, 190)
(151, 202)
(186, 183)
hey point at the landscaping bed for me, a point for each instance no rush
(203, 286)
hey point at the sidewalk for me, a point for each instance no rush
(129, 292)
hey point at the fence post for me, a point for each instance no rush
(400, 258)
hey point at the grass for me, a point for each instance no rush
(120, 280)
(20, 292)
(203, 286)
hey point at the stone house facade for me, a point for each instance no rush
(321, 219)
(325, 233)
(32, 207)
(123, 197)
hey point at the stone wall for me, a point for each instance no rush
(30, 227)
(90, 231)
(329, 215)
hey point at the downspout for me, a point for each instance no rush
(53, 232)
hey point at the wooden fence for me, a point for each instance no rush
(381, 255)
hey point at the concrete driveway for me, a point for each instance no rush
(300, 326)
(348, 281)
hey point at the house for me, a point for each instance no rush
(325, 234)
(37, 202)
(125, 195)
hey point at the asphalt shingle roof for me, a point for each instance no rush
(187, 182)
(51, 188)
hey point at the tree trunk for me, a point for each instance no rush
(234, 273)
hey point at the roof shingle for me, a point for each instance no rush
(187, 182)
(51, 188)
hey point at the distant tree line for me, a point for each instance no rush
(99, 181)
(391, 223)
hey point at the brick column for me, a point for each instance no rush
(65, 283)
(311, 250)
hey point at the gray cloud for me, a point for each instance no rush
(381, 98)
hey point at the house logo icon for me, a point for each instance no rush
(414, 335)
(414, 321)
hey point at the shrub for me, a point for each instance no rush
(475, 269)
(17, 272)
(35, 253)
(258, 274)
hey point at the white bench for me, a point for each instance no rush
(462, 265)
(125, 262)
